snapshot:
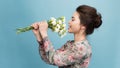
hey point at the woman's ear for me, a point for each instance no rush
(82, 27)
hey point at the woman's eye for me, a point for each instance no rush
(72, 20)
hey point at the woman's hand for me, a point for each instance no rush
(43, 27)
(36, 31)
(40, 30)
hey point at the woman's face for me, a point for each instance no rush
(74, 23)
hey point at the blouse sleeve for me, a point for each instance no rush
(63, 56)
(42, 52)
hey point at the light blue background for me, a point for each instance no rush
(21, 51)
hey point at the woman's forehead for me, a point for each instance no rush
(75, 15)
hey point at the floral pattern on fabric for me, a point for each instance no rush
(70, 55)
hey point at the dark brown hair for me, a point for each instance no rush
(89, 17)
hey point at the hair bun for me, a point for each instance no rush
(98, 20)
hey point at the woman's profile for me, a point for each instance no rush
(74, 53)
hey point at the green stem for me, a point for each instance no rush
(20, 30)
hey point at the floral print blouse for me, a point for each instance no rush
(70, 55)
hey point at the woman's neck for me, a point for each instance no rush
(79, 37)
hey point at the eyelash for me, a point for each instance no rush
(72, 20)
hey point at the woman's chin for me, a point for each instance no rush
(69, 31)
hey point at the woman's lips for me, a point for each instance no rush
(69, 27)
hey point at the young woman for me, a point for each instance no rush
(75, 53)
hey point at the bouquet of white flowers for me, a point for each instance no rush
(56, 25)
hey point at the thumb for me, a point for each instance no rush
(35, 26)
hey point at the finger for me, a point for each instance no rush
(45, 21)
(39, 24)
(35, 25)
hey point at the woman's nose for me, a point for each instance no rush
(69, 22)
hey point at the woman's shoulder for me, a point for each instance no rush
(70, 41)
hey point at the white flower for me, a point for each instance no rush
(60, 32)
(64, 25)
(58, 26)
(52, 19)
(53, 22)
(56, 30)
(63, 19)
(59, 22)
